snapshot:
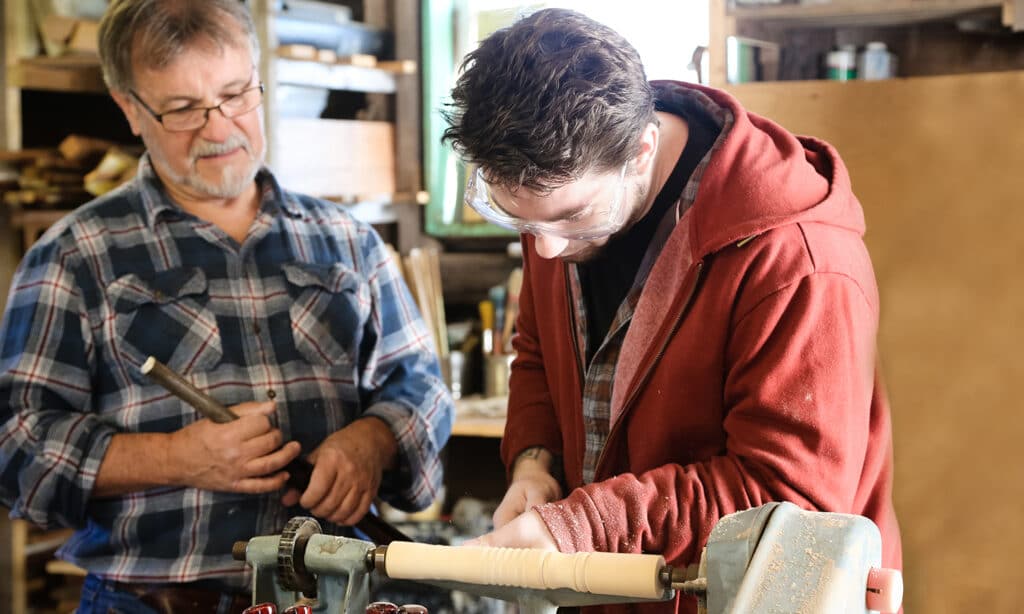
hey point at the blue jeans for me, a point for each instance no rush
(100, 596)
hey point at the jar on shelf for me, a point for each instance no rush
(841, 64)
(876, 62)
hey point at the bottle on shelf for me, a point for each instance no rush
(876, 62)
(841, 63)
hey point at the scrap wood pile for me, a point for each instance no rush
(79, 169)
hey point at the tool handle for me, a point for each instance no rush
(379, 531)
(300, 470)
(181, 388)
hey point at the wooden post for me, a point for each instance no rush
(721, 26)
(262, 15)
(1013, 14)
(13, 583)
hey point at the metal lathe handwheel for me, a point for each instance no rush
(291, 552)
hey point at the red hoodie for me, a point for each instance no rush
(747, 375)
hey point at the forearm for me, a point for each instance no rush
(134, 462)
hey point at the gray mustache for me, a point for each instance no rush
(210, 148)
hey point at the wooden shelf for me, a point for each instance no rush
(848, 13)
(308, 53)
(477, 416)
(335, 76)
(65, 74)
(479, 427)
(871, 90)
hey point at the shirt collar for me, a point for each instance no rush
(157, 205)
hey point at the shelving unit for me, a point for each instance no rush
(377, 194)
(918, 29)
(934, 156)
(392, 194)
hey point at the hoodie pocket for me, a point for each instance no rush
(165, 315)
(329, 309)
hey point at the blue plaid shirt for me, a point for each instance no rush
(309, 311)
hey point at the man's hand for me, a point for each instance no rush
(244, 455)
(532, 484)
(347, 471)
(525, 531)
(523, 494)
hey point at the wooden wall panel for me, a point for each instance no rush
(937, 163)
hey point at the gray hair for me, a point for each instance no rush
(155, 32)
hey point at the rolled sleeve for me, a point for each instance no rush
(402, 384)
(51, 445)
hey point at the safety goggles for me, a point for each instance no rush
(593, 222)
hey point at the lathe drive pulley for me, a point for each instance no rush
(772, 558)
(291, 549)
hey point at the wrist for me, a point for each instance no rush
(169, 470)
(384, 441)
(532, 460)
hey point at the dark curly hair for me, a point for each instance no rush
(548, 99)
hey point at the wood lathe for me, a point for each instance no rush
(773, 558)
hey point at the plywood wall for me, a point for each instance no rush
(939, 165)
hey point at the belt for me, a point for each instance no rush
(184, 598)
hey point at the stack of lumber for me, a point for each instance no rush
(422, 272)
(73, 173)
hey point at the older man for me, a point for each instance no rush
(279, 305)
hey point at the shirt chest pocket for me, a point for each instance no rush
(166, 315)
(329, 309)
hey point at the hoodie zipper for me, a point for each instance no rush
(650, 368)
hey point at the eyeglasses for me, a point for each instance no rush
(194, 118)
(593, 222)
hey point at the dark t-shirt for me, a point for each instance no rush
(607, 279)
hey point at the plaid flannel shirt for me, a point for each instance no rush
(599, 376)
(309, 311)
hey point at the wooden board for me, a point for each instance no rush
(936, 162)
(844, 13)
(338, 158)
(60, 74)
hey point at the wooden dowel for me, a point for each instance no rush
(599, 573)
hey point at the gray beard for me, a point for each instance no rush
(232, 183)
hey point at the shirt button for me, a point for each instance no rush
(256, 327)
(271, 394)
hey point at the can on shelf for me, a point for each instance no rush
(841, 64)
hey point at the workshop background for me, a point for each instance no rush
(921, 98)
